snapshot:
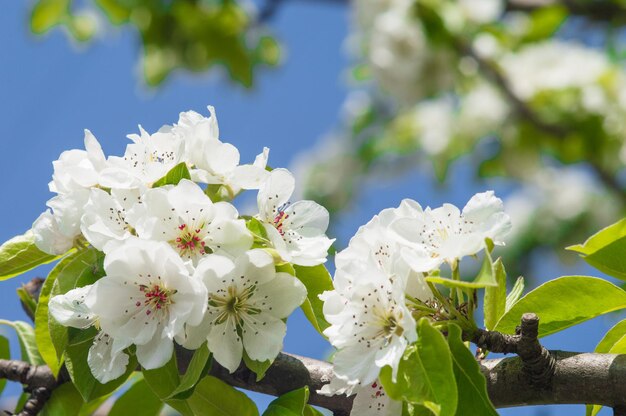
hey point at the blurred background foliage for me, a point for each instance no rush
(532, 92)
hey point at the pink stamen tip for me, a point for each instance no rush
(182, 227)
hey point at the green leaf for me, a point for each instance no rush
(257, 229)
(164, 380)
(564, 302)
(470, 382)
(198, 366)
(515, 293)
(317, 280)
(76, 270)
(213, 397)
(604, 250)
(289, 404)
(5, 354)
(20, 254)
(117, 11)
(495, 296)
(48, 13)
(138, 400)
(175, 175)
(28, 302)
(258, 367)
(485, 278)
(65, 400)
(425, 374)
(26, 336)
(80, 373)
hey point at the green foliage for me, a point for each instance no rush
(20, 254)
(65, 400)
(494, 304)
(470, 382)
(199, 365)
(213, 397)
(182, 34)
(47, 14)
(76, 270)
(425, 374)
(605, 250)
(175, 175)
(516, 292)
(26, 337)
(293, 403)
(76, 363)
(564, 302)
(138, 400)
(316, 279)
(258, 367)
(5, 354)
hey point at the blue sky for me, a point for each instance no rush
(52, 89)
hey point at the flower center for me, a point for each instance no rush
(189, 240)
(278, 221)
(156, 298)
(233, 303)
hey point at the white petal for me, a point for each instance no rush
(105, 365)
(284, 293)
(226, 345)
(47, 236)
(220, 158)
(70, 309)
(371, 400)
(275, 192)
(256, 265)
(249, 176)
(263, 336)
(156, 353)
(306, 215)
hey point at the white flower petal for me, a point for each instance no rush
(286, 293)
(263, 336)
(69, 309)
(155, 353)
(105, 365)
(226, 345)
(275, 192)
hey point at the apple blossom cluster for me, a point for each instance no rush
(396, 44)
(380, 279)
(180, 263)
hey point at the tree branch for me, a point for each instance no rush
(39, 381)
(604, 10)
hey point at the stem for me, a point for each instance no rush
(456, 275)
(419, 305)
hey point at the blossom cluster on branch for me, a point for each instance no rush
(162, 215)
(154, 258)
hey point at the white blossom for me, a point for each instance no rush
(104, 217)
(377, 240)
(371, 326)
(105, 362)
(216, 162)
(149, 158)
(370, 400)
(146, 298)
(48, 237)
(78, 169)
(447, 234)
(189, 221)
(296, 231)
(247, 302)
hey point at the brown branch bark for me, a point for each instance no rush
(604, 10)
